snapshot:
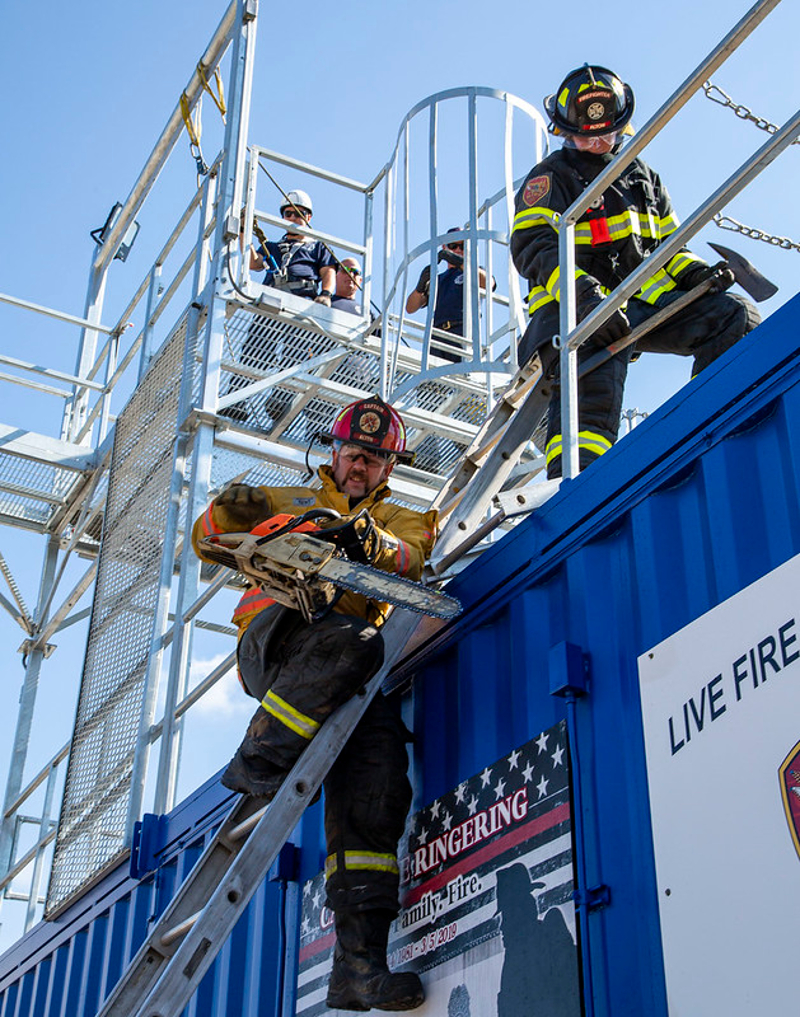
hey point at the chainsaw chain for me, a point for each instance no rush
(380, 573)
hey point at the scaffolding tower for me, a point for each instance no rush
(224, 378)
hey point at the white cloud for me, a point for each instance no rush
(226, 699)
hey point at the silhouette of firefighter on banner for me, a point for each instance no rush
(540, 965)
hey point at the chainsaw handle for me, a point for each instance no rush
(345, 535)
(296, 521)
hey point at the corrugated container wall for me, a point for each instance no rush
(699, 501)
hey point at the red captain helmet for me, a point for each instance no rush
(373, 425)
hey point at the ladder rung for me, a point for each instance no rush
(180, 930)
(246, 825)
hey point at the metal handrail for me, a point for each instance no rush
(570, 336)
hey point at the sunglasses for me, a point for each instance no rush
(352, 453)
(293, 213)
(457, 246)
(350, 271)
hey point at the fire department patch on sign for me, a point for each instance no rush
(535, 190)
(790, 792)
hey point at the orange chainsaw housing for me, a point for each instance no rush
(278, 522)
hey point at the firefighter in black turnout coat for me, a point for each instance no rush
(591, 109)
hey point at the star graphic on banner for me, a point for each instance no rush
(307, 889)
(486, 776)
(541, 741)
(447, 821)
(499, 789)
(316, 899)
(472, 805)
(527, 773)
(557, 756)
(461, 790)
(306, 926)
(541, 787)
(412, 822)
(435, 809)
(513, 760)
(423, 835)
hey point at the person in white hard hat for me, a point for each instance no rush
(295, 262)
(299, 265)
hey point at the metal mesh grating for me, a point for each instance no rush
(31, 491)
(92, 828)
(294, 411)
(227, 465)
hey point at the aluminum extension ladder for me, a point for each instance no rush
(182, 945)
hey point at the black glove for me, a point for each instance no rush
(589, 296)
(696, 274)
(357, 537)
(242, 506)
(456, 260)
(424, 282)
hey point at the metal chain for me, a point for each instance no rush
(716, 94)
(726, 223)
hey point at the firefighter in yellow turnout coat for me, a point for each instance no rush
(301, 672)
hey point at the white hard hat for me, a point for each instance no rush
(299, 198)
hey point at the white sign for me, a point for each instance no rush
(721, 712)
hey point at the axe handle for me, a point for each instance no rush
(646, 326)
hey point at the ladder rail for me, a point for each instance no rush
(489, 434)
(488, 477)
(185, 940)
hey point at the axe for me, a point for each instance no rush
(745, 274)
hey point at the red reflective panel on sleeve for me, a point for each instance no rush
(252, 601)
(403, 557)
(208, 523)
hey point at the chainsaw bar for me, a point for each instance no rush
(295, 566)
(379, 585)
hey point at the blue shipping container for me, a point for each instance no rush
(698, 502)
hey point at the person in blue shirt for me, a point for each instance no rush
(297, 263)
(348, 285)
(448, 312)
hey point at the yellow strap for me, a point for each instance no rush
(218, 102)
(194, 131)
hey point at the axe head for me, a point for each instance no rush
(745, 274)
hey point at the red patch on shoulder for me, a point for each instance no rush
(535, 190)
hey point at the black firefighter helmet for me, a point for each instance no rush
(591, 100)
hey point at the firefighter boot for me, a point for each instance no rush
(360, 979)
(251, 771)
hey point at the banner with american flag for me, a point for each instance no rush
(487, 919)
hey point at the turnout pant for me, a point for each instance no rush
(301, 673)
(704, 330)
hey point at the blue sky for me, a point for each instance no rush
(88, 88)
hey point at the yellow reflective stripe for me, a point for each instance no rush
(668, 225)
(661, 282)
(589, 440)
(536, 216)
(354, 860)
(552, 285)
(537, 298)
(288, 715)
(682, 260)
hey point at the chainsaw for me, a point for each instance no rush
(307, 567)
